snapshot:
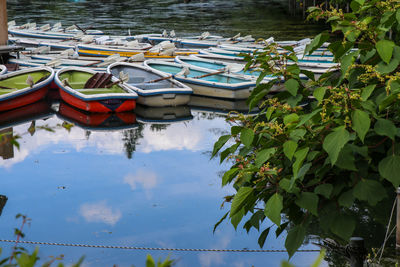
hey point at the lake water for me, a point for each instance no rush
(149, 182)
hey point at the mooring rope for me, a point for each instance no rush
(150, 248)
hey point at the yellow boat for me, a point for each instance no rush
(102, 53)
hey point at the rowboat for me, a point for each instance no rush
(96, 121)
(130, 52)
(206, 82)
(235, 68)
(103, 93)
(24, 87)
(208, 64)
(237, 57)
(154, 88)
(3, 69)
(163, 115)
(56, 35)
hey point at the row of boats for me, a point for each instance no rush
(146, 69)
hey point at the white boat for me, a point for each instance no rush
(206, 83)
(237, 57)
(154, 88)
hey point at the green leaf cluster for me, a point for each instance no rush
(324, 144)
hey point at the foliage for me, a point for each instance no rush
(321, 146)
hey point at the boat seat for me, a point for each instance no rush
(94, 91)
(136, 80)
(98, 80)
(147, 86)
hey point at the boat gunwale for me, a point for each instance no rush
(183, 89)
(130, 94)
(27, 90)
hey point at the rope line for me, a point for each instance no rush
(149, 248)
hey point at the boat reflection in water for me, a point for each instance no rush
(163, 115)
(96, 121)
(40, 110)
(3, 201)
(219, 106)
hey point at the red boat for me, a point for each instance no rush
(93, 91)
(24, 87)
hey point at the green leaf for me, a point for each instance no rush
(273, 208)
(292, 86)
(389, 168)
(346, 158)
(290, 118)
(263, 236)
(150, 261)
(240, 199)
(263, 156)
(346, 199)
(367, 91)
(319, 260)
(334, 142)
(384, 68)
(26, 260)
(220, 221)
(385, 49)
(286, 263)
(247, 136)
(300, 155)
(386, 128)
(289, 147)
(309, 116)
(361, 123)
(237, 218)
(343, 226)
(324, 190)
(316, 43)
(398, 16)
(308, 201)
(219, 144)
(294, 239)
(369, 190)
(319, 93)
(229, 175)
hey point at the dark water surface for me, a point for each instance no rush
(150, 183)
(224, 17)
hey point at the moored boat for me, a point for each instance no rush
(154, 88)
(24, 87)
(94, 91)
(206, 82)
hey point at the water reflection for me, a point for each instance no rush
(97, 121)
(3, 201)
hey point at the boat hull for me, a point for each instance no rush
(24, 100)
(220, 92)
(163, 100)
(99, 106)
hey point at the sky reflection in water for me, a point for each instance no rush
(80, 187)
